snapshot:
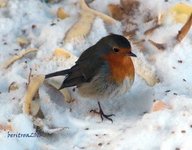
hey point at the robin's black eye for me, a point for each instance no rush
(115, 49)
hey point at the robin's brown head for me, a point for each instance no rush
(117, 45)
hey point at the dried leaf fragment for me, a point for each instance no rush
(21, 54)
(61, 13)
(159, 105)
(116, 11)
(151, 30)
(59, 52)
(105, 18)
(23, 41)
(7, 127)
(181, 12)
(159, 46)
(35, 83)
(130, 6)
(13, 86)
(83, 26)
(184, 30)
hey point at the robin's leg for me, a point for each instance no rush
(102, 115)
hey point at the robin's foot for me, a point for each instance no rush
(102, 115)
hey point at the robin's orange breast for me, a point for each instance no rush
(121, 66)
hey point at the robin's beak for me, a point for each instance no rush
(131, 54)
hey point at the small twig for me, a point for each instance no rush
(184, 30)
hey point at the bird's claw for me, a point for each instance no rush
(102, 114)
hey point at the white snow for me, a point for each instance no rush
(134, 127)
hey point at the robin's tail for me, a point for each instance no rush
(58, 73)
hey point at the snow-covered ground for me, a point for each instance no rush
(134, 126)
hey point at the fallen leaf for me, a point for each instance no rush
(159, 105)
(61, 13)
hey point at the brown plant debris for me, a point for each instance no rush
(159, 46)
(34, 84)
(13, 59)
(13, 86)
(116, 11)
(151, 30)
(61, 13)
(159, 105)
(6, 127)
(184, 30)
(83, 26)
(130, 6)
(60, 52)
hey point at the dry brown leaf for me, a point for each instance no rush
(181, 34)
(130, 6)
(83, 26)
(60, 52)
(159, 105)
(184, 30)
(116, 11)
(61, 13)
(180, 12)
(35, 83)
(159, 46)
(21, 54)
(105, 18)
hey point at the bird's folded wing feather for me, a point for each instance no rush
(84, 70)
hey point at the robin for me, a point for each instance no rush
(103, 71)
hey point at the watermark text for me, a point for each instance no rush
(22, 135)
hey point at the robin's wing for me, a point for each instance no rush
(82, 72)
(85, 55)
